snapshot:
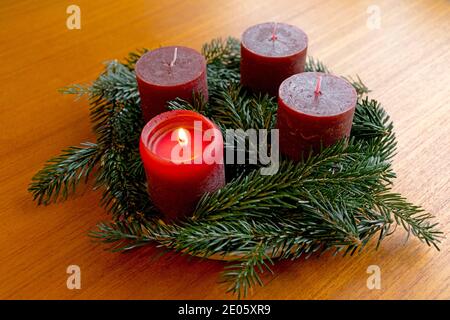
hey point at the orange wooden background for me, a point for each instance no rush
(406, 63)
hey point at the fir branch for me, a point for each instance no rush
(314, 65)
(411, 217)
(61, 174)
(320, 226)
(205, 238)
(233, 108)
(118, 130)
(124, 194)
(244, 273)
(288, 236)
(360, 87)
(133, 57)
(224, 52)
(370, 120)
(122, 235)
(116, 84)
(372, 125)
(117, 122)
(198, 104)
(78, 90)
(220, 76)
(223, 63)
(338, 169)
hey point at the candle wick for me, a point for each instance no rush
(175, 53)
(274, 31)
(318, 86)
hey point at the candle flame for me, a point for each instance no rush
(182, 137)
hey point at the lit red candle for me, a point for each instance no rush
(167, 73)
(270, 53)
(314, 109)
(182, 153)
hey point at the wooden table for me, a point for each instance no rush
(406, 62)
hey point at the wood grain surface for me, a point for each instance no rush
(406, 62)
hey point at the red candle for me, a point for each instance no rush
(314, 109)
(182, 153)
(270, 53)
(167, 73)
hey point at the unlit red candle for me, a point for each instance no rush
(182, 153)
(270, 53)
(168, 73)
(314, 110)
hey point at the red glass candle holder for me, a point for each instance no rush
(176, 183)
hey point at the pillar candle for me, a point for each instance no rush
(167, 73)
(270, 53)
(182, 153)
(314, 109)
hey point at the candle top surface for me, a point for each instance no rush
(336, 94)
(171, 146)
(169, 66)
(274, 39)
(165, 135)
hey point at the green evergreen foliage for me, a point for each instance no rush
(338, 200)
